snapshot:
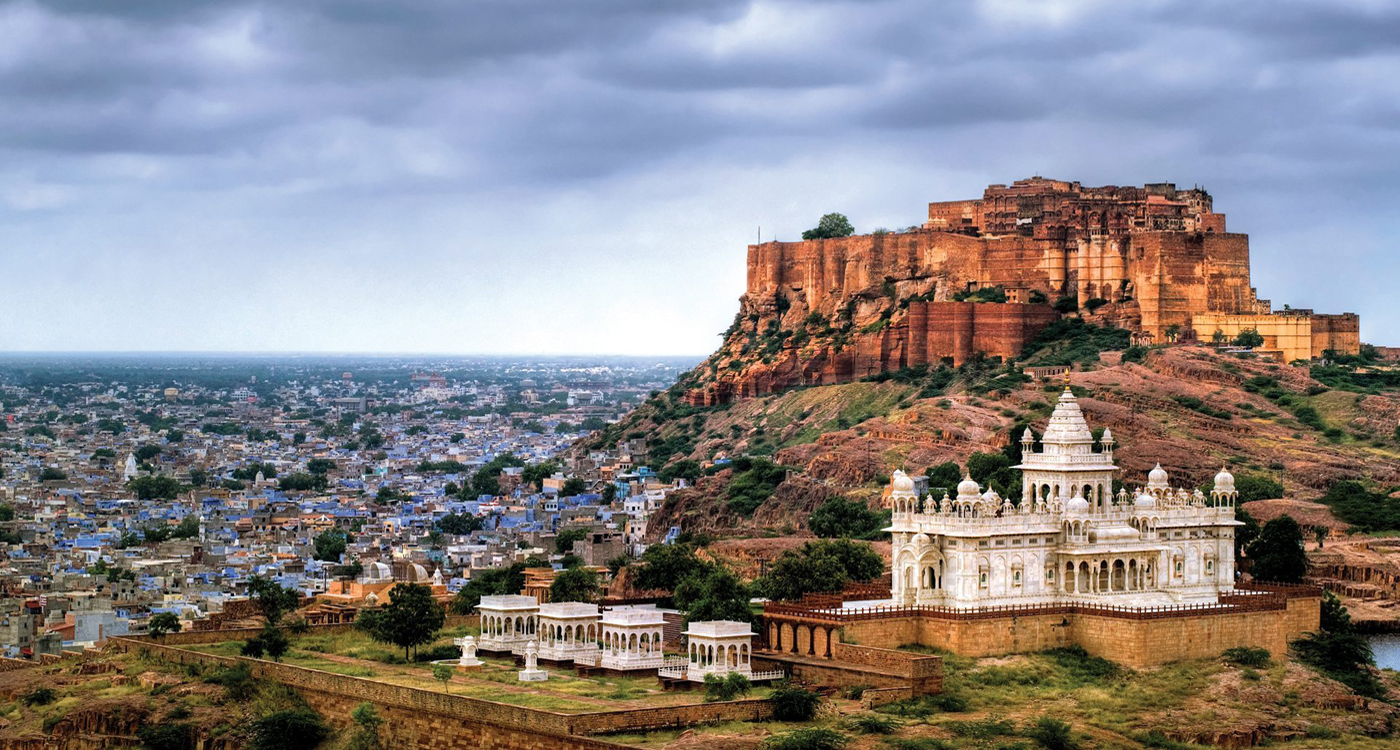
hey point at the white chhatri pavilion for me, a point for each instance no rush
(569, 632)
(508, 622)
(1069, 539)
(632, 638)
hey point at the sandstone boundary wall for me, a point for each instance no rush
(432, 720)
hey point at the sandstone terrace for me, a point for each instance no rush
(354, 654)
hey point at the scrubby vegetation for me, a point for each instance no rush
(1071, 340)
(839, 517)
(820, 566)
(753, 482)
(1363, 507)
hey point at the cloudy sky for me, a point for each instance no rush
(583, 175)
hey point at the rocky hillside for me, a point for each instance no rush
(1191, 408)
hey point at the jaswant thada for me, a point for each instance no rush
(1070, 538)
(1143, 577)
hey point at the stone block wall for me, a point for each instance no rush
(1339, 333)
(1291, 336)
(432, 720)
(961, 329)
(1133, 641)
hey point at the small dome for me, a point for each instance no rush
(1028, 436)
(1145, 501)
(921, 538)
(1157, 479)
(1107, 438)
(991, 496)
(969, 489)
(901, 482)
(1224, 481)
(1116, 533)
(1077, 504)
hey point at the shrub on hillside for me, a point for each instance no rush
(792, 703)
(289, 729)
(806, 739)
(1247, 656)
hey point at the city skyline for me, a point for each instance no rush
(509, 180)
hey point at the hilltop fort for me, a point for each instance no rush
(984, 276)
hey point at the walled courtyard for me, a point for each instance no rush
(355, 654)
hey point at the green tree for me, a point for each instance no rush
(147, 452)
(945, 476)
(564, 542)
(831, 225)
(443, 673)
(162, 623)
(686, 468)
(7, 512)
(663, 566)
(320, 466)
(493, 582)
(1246, 534)
(484, 482)
(821, 566)
(302, 482)
(1249, 337)
(330, 545)
(574, 585)
(458, 524)
(198, 477)
(154, 488)
(535, 474)
(1333, 616)
(271, 599)
(411, 619)
(1278, 552)
(713, 593)
(1253, 487)
(572, 486)
(368, 720)
(50, 474)
(839, 517)
(288, 729)
(167, 735)
(726, 688)
(792, 703)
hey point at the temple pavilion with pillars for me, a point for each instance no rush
(1068, 538)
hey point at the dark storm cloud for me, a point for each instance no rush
(257, 121)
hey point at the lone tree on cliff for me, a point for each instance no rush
(831, 225)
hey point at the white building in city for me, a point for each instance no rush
(508, 622)
(1070, 539)
(632, 638)
(569, 632)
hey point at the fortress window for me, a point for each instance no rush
(982, 578)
